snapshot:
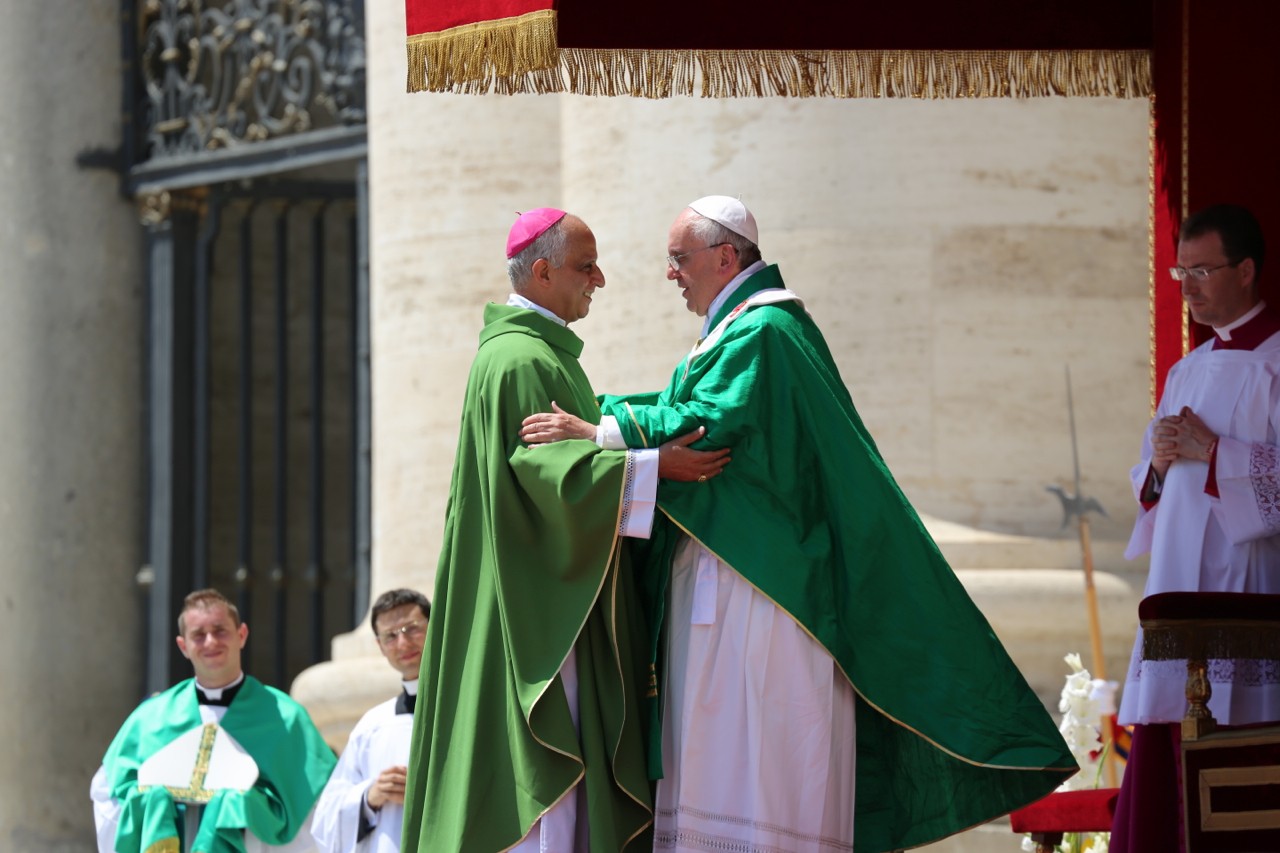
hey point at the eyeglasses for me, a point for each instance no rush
(1197, 273)
(673, 261)
(412, 630)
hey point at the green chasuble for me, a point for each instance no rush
(530, 568)
(293, 761)
(949, 733)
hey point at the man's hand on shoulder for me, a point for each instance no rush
(556, 425)
(677, 461)
(387, 788)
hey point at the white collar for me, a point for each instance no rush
(411, 687)
(517, 301)
(1224, 332)
(723, 296)
(215, 693)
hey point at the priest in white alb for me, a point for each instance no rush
(362, 807)
(1209, 485)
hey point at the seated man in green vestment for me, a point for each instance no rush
(822, 669)
(527, 730)
(292, 760)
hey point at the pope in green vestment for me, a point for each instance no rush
(530, 569)
(293, 762)
(949, 734)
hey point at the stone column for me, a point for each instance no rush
(70, 392)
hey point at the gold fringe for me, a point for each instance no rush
(519, 55)
(505, 56)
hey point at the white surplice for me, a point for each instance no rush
(758, 738)
(379, 740)
(1201, 543)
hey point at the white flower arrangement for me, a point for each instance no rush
(1084, 701)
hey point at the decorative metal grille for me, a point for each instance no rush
(221, 73)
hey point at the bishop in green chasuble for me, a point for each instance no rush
(530, 570)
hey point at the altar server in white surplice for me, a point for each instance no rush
(362, 807)
(1209, 486)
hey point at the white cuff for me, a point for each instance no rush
(608, 435)
(370, 816)
(640, 496)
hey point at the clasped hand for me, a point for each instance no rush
(1180, 436)
(388, 787)
(676, 460)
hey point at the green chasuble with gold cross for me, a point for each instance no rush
(293, 761)
(949, 733)
(530, 568)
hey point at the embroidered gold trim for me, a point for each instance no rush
(520, 55)
(644, 439)
(196, 792)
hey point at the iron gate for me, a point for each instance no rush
(245, 146)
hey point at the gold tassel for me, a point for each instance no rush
(519, 55)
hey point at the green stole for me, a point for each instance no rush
(949, 733)
(293, 761)
(530, 567)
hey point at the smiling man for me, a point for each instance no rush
(293, 760)
(1209, 516)
(527, 732)
(362, 808)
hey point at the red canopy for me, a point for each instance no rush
(749, 47)
(1208, 66)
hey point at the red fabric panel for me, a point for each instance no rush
(754, 24)
(1233, 89)
(432, 16)
(1235, 92)
(1168, 314)
(1068, 811)
(1148, 813)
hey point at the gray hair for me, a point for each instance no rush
(711, 232)
(552, 244)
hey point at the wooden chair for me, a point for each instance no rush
(1231, 778)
